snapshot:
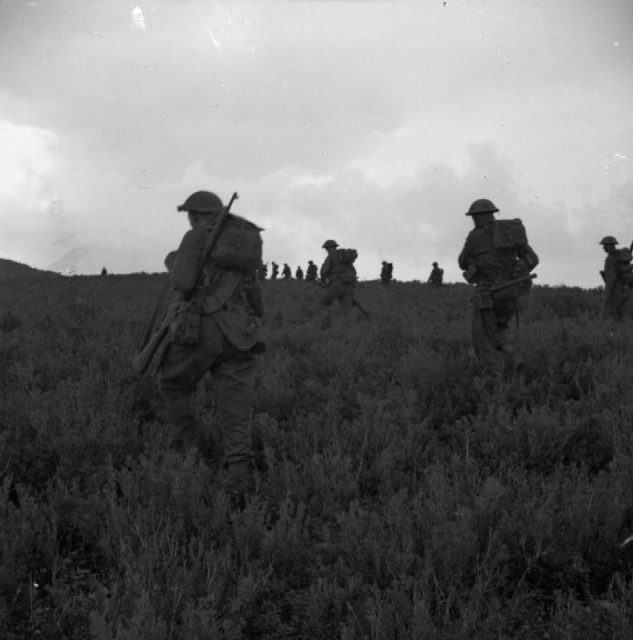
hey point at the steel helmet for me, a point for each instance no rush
(482, 206)
(608, 240)
(330, 244)
(203, 201)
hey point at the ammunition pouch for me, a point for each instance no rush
(483, 300)
(185, 327)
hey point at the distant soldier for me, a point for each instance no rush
(216, 329)
(275, 271)
(496, 252)
(437, 276)
(262, 271)
(338, 275)
(386, 273)
(618, 279)
(299, 273)
(311, 272)
(104, 272)
(286, 272)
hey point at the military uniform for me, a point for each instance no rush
(228, 304)
(617, 293)
(286, 272)
(311, 272)
(493, 333)
(437, 276)
(386, 273)
(340, 279)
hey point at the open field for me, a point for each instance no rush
(400, 496)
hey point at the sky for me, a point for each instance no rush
(372, 122)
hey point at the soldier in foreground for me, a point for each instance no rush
(437, 276)
(618, 279)
(338, 275)
(498, 260)
(386, 273)
(216, 329)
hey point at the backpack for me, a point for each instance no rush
(508, 234)
(346, 256)
(623, 266)
(239, 245)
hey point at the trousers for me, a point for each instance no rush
(233, 387)
(493, 335)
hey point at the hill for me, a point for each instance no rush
(11, 270)
(400, 494)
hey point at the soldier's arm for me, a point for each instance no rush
(610, 274)
(465, 257)
(187, 267)
(326, 267)
(254, 294)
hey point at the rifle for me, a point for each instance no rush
(356, 304)
(511, 283)
(155, 343)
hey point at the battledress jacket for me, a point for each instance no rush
(479, 253)
(334, 269)
(233, 298)
(616, 291)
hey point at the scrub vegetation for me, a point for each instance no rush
(400, 495)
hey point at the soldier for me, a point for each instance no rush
(386, 273)
(490, 259)
(311, 272)
(262, 272)
(437, 276)
(104, 272)
(299, 274)
(286, 272)
(219, 333)
(616, 287)
(339, 276)
(275, 271)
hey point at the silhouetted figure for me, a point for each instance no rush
(497, 259)
(618, 277)
(311, 272)
(262, 272)
(437, 276)
(275, 271)
(386, 273)
(104, 272)
(299, 273)
(286, 272)
(338, 276)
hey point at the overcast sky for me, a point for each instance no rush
(375, 123)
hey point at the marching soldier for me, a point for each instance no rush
(338, 275)
(495, 253)
(217, 331)
(299, 273)
(286, 272)
(386, 273)
(311, 272)
(275, 271)
(437, 276)
(615, 274)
